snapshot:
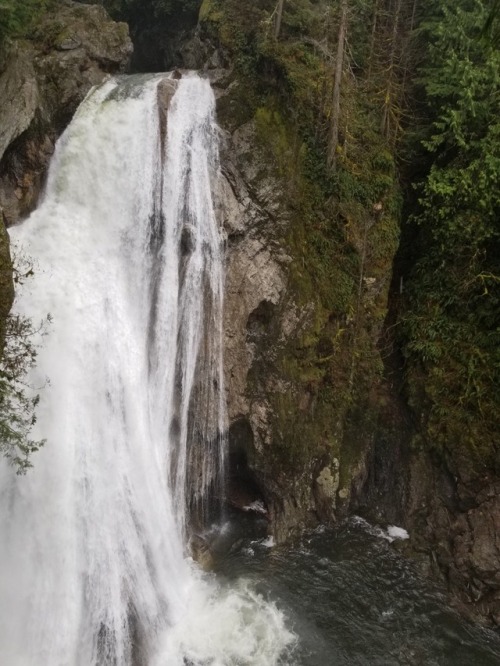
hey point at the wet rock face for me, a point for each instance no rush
(455, 529)
(452, 516)
(255, 275)
(42, 82)
(325, 488)
(254, 312)
(260, 318)
(20, 95)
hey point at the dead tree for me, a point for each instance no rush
(278, 16)
(339, 68)
(387, 109)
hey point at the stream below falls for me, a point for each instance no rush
(351, 599)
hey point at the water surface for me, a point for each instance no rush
(353, 600)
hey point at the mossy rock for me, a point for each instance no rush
(210, 12)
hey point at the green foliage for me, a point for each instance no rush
(453, 317)
(18, 400)
(17, 16)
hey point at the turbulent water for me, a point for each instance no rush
(128, 261)
(353, 600)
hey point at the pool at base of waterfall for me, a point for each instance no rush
(350, 599)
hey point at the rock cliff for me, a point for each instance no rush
(43, 79)
(294, 297)
(450, 510)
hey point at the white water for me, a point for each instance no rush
(128, 262)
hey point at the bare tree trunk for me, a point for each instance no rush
(339, 67)
(407, 58)
(371, 55)
(277, 18)
(321, 107)
(413, 15)
(385, 125)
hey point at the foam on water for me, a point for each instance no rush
(397, 533)
(393, 533)
(224, 626)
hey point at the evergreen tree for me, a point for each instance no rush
(453, 318)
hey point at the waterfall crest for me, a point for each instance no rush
(128, 261)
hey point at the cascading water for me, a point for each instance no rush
(128, 262)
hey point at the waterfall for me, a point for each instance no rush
(128, 261)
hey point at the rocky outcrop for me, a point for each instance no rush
(456, 532)
(42, 82)
(255, 312)
(370, 458)
(286, 426)
(451, 514)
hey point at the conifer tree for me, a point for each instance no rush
(452, 323)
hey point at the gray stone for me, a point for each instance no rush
(42, 82)
(19, 95)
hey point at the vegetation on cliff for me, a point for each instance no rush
(343, 212)
(417, 86)
(412, 113)
(17, 16)
(451, 317)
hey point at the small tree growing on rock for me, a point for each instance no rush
(18, 400)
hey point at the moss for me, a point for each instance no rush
(324, 273)
(235, 108)
(452, 342)
(459, 416)
(210, 12)
(300, 436)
